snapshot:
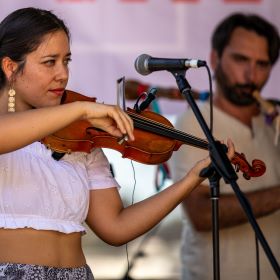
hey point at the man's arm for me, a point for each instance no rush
(198, 207)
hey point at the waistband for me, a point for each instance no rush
(30, 271)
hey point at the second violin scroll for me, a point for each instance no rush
(155, 139)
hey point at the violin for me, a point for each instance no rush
(155, 139)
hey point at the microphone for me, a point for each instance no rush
(150, 97)
(145, 64)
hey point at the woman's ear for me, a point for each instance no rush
(9, 67)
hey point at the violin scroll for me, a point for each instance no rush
(257, 169)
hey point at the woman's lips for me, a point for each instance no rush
(57, 91)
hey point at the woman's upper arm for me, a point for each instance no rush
(104, 207)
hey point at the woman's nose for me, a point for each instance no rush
(62, 72)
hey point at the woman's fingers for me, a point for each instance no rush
(206, 161)
(123, 121)
(231, 149)
(111, 119)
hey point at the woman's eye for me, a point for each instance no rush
(67, 61)
(49, 62)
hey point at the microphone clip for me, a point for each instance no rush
(148, 100)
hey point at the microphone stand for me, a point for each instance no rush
(221, 168)
(214, 180)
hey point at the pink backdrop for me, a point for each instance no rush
(108, 35)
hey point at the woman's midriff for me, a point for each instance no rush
(41, 247)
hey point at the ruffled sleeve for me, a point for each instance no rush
(99, 173)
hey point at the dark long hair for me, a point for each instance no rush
(262, 27)
(21, 32)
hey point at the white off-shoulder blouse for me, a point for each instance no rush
(39, 192)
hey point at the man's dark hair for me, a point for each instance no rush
(262, 27)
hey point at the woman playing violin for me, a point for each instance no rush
(44, 202)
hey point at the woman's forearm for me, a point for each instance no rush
(22, 128)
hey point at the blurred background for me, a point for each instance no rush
(107, 37)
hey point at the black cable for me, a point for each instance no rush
(146, 238)
(126, 245)
(247, 202)
(136, 107)
(210, 97)
(257, 257)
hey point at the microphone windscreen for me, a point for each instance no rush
(141, 64)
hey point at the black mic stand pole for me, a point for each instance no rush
(214, 179)
(222, 166)
(215, 193)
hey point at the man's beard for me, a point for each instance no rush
(237, 94)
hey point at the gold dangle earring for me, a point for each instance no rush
(11, 100)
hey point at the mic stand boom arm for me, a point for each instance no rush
(223, 167)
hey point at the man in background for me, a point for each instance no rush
(244, 50)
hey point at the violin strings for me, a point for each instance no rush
(166, 131)
(168, 128)
(189, 139)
